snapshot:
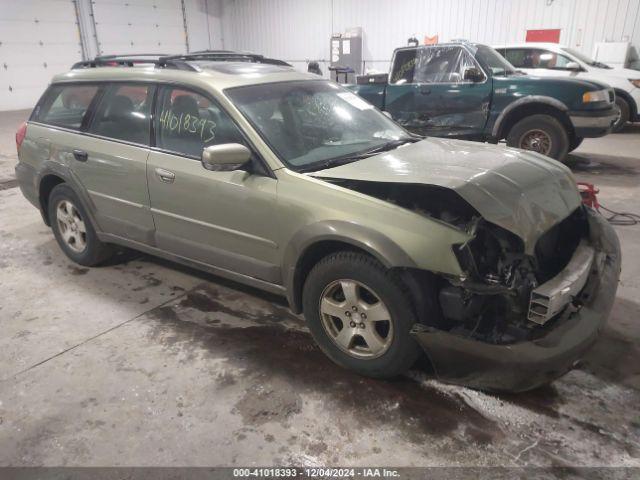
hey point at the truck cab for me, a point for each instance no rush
(469, 91)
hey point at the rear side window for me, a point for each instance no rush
(537, 58)
(66, 105)
(186, 122)
(520, 57)
(124, 113)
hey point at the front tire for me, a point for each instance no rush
(73, 230)
(542, 134)
(360, 315)
(625, 114)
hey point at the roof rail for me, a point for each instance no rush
(225, 56)
(131, 60)
(179, 62)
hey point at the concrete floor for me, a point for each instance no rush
(148, 363)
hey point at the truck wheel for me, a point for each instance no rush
(360, 315)
(73, 230)
(542, 134)
(624, 114)
(575, 143)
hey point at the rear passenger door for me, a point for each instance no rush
(110, 160)
(101, 133)
(221, 218)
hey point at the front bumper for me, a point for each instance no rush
(523, 366)
(594, 123)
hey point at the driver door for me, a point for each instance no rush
(428, 95)
(223, 219)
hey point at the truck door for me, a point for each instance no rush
(429, 95)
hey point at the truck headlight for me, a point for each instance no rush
(635, 82)
(597, 96)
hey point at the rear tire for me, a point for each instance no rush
(73, 230)
(360, 315)
(542, 134)
(625, 114)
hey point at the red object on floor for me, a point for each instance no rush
(551, 35)
(589, 192)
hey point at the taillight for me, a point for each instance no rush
(20, 134)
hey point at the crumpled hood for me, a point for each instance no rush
(523, 192)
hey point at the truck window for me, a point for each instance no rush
(444, 64)
(65, 105)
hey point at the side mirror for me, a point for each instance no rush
(473, 74)
(225, 157)
(575, 66)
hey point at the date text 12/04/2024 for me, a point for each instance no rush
(315, 472)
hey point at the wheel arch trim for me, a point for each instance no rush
(67, 176)
(498, 126)
(378, 245)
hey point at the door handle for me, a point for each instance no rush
(80, 155)
(165, 175)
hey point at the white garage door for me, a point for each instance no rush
(139, 26)
(34, 46)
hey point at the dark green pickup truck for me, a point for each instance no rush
(469, 91)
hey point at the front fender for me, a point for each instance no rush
(528, 100)
(386, 250)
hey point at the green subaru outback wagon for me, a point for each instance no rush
(481, 256)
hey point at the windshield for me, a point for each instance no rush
(494, 61)
(584, 59)
(314, 124)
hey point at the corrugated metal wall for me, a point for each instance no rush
(300, 29)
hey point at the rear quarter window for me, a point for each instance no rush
(65, 105)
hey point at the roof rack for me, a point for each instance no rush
(179, 62)
(131, 60)
(225, 56)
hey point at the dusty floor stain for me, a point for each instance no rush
(269, 353)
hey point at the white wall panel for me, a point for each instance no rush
(38, 39)
(139, 26)
(299, 30)
(204, 25)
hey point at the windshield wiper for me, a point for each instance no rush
(385, 147)
(337, 161)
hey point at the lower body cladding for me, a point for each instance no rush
(556, 346)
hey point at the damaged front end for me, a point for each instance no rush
(527, 320)
(520, 315)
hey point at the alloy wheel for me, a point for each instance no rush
(71, 225)
(355, 319)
